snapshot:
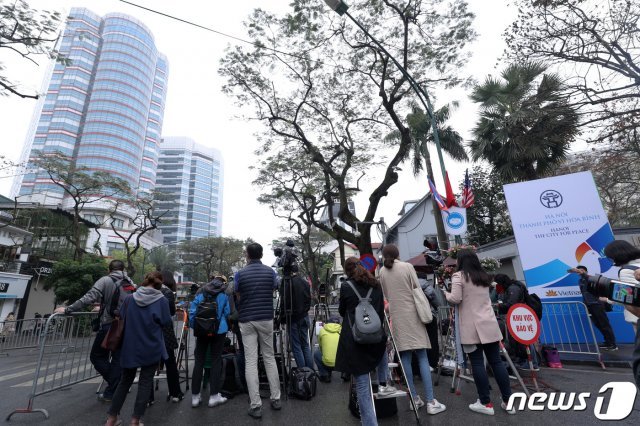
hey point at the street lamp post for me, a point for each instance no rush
(340, 7)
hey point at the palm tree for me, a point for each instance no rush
(526, 123)
(421, 135)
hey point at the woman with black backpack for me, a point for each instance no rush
(208, 318)
(354, 358)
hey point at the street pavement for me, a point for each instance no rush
(77, 405)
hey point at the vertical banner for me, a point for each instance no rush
(559, 222)
(455, 220)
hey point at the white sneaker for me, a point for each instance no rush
(504, 407)
(418, 402)
(195, 400)
(479, 407)
(216, 399)
(435, 407)
(386, 390)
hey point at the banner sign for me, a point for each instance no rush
(455, 220)
(523, 324)
(559, 222)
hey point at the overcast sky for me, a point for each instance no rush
(196, 107)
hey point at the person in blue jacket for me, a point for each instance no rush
(213, 290)
(144, 313)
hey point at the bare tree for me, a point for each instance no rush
(595, 45)
(83, 187)
(328, 93)
(27, 33)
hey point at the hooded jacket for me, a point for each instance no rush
(328, 341)
(145, 313)
(216, 289)
(102, 292)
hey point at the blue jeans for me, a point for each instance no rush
(492, 352)
(425, 372)
(299, 334)
(323, 370)
(365, 402)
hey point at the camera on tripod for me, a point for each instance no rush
(615, 290)
(287, 257)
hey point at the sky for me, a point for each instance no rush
(197, 108)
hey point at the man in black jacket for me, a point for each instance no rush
(296, 299)
(513, 294)
(597, 310)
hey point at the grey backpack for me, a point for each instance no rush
(366, 325)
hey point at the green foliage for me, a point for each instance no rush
(206, 256)
(71, 279)
(526, 124)
(488, 218)
(27, 33)
(163, 259)
(420, 127)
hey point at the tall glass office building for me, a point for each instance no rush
(104, 109)
(190, 176)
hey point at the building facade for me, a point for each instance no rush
(103, 109)
(190, 179)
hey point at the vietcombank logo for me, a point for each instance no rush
(619, 407)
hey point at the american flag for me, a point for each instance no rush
(467, 193)
(441, 203)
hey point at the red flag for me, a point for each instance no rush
(451, 198)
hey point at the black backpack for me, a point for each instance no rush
(231, 381)
(206, 321)
(531, 300)
(122, 290)
(303, 383)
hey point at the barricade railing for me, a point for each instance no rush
(567, 326)
(63, 359)
(22, 334)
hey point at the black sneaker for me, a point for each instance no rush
(325, 379)
(104, 398)
(255, 412)
(603, 345)
(611, 348)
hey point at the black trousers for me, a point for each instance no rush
(601, 321)
(433, 354)
(145, 386)
(216, 344)
(105, 362)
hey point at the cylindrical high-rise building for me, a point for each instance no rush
(105, 108)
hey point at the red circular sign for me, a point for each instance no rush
(369, 262)
(523, 324)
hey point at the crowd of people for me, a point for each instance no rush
(139, 320)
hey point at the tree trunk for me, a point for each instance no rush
(77, 253)
(342, 255)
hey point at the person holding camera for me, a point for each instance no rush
(597, 310)
(295, 302)
(627, 257)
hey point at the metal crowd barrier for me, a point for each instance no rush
(568, 327)
(63, 360)
(21, 334)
